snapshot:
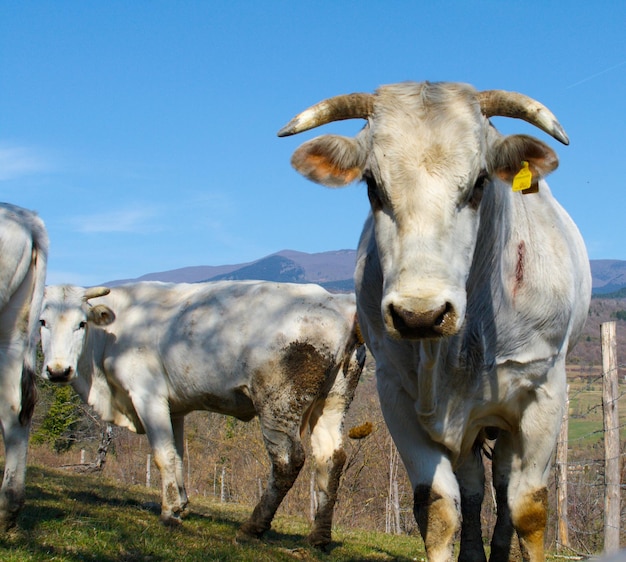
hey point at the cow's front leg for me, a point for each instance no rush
(178, 425)
(436, 491)
(154, 414)
(521, 468)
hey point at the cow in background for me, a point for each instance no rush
(472, 285)
(23, 259)
(144, 355)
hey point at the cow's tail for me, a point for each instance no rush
(353, 359)
(39, 265)
(357, 353)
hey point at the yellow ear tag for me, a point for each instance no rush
(523, 179)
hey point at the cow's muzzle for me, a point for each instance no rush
(59, 375)
(422, 324)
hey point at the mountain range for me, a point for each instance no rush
(333, 270)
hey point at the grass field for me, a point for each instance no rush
(585, 410)
(71, 518)
(75, 517)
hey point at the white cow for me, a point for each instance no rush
(23, 258)
(469, 296)
(144, 355)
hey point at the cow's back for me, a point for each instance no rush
(213, 339)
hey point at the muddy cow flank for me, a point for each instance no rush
(472, 285)
(144, 355)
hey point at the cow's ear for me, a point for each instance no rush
(508, 154)
(331, 160)
(101, 315)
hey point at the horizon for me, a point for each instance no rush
(186, 271)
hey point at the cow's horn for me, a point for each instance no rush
(94, 292)
(513, 104)
(347, 106)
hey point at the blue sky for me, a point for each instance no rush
(144, 132)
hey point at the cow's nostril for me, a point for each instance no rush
(417, 319)
(59, 375)
(444, 316)
(433, 323)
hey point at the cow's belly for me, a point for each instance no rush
(236, 403)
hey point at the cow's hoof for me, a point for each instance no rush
(320, 541)
(8, 523)
(172, 520)
(243, 537)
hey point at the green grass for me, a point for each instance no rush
(585, 420)
(69, 517)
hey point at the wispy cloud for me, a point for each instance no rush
(122, 220)
(18, 161)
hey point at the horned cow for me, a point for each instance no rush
(469, 294)
(146, 354)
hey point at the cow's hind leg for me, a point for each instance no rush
(471, 477)
(15, 431)
(504, 546)
(13, 484)
(326, 424)
(287, 458)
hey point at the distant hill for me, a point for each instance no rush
(609, 276)
(334, 270)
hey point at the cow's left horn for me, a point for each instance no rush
(513, 104)
(94, 292)
(338, 108)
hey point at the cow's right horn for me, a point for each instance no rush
(94, 292)
(338, 108)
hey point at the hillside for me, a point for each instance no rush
(608, 275)
(333, 270)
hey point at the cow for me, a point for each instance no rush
(143, 355)
(23, 261)
(472, 285)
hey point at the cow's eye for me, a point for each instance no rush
(42, 323)
(477, 191)
(373, 194)
(82, 325)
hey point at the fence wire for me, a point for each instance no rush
(586, 486)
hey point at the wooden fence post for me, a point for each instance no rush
(611, 439)
(313, 497)
(223, 486)
(148, 466)
(562, 534)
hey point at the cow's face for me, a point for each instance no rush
(65, 319)
(426, 154)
